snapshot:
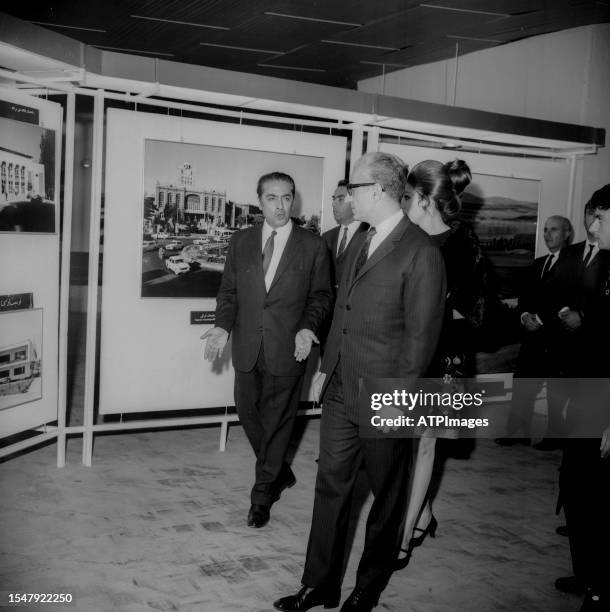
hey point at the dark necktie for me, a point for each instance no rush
(547, 265)
(343, 242)
(587, 259)
(268, 252)
(364, 251)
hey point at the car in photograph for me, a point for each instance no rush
(160, 236)
(177, 265)
(149, 245)
(201, 241)
(174, 245)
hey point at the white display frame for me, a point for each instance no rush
(179, 378)
(27, 275)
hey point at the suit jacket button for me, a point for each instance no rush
(345, 331)
(348, 307)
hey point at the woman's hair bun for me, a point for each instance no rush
(459, 173)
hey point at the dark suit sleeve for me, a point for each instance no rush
(424, 309)
(226, 300)
(319, 298)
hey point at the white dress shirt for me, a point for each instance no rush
(279, 244)
(384, 229)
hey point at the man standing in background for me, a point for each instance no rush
(540, 302)
(585, 470)
(274, 296)
(339, 238)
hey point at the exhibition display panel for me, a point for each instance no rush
(30, 160)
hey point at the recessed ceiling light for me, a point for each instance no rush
(134, 50)
(250, 49)
(350, 44)
(462, 10)
(385, 64)
(280, 67)
(491, 40)
(186, 23)
(60, 25)
(316, 19)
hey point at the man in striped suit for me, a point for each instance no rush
(386, 324)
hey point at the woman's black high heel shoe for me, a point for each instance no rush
(430, 529)
(414, 542)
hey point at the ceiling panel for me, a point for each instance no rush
(395, 33)
(410, 27)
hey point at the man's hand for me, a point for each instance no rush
(302, 344)
(570, 319)
(317, 385)
(389, 412)
(216, 339)
(605, 445)
(530, 321)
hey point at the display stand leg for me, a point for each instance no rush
(64, 295)
(94, 256)
(224, 432)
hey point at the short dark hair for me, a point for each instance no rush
(600, 199)
(274, 176)
(343, 183)
(387, 170)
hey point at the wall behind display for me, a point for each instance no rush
(29, 262)
(151, 355)
(547, 181)
(562, 76)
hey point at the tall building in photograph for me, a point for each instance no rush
(192, 205)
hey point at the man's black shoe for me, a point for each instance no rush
(308, 597)
(360, 600)
(512, 441)
(570, 584)
(258, 515)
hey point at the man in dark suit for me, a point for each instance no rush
(339, 238)
(540, 303)
(585, 469)
(274, 295)
(386, 324)
(582, 265)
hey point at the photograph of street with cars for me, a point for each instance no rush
(196, 196)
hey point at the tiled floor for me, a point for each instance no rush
(158, 523)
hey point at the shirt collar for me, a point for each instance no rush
(387, 225)
(280, 231)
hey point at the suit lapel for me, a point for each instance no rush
(291, 251)
(255, 245)
(387, 245)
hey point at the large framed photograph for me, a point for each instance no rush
(504, 214)
(159, 171)
(196, 196)
(27, 178)
(20, 357)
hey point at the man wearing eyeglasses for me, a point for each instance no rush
(386, 324)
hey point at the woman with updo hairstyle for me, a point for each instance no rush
(432, 201)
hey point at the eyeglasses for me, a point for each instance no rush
(351, 186)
